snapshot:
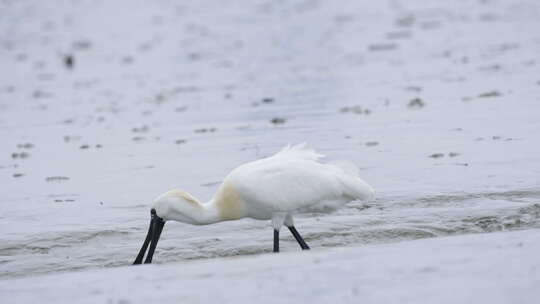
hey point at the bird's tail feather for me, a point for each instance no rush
(353, 185)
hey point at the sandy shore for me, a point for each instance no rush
(482, 268)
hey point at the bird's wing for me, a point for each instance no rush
(292, 183)
(300, 151)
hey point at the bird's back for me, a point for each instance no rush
(293, 180)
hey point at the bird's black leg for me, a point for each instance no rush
(276, 240)
(298, 238)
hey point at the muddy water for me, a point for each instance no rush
(435, 104)
(384, 220)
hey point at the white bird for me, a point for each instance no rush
(277, 187)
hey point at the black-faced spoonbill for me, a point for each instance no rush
(290, 182)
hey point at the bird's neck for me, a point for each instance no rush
(225, 206)
(215, 210)
(198, 214)
(209, 214)
(220, 209)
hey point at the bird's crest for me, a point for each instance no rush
(300, 151)
(181, 194)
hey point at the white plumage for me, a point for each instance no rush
(292, 181)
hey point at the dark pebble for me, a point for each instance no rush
(278, 121)
(56, 178)
(416, 103)
(69, 61)
(489, 94)
(372, 143)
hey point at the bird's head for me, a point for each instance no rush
(177, 205)
(174, 205)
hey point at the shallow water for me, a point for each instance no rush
(437, 106)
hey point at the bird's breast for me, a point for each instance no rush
(229, 204)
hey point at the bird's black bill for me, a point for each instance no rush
(152, 238)
(156, 233)
(140, 256)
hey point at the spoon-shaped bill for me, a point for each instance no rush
(152, 238)
(156, 233)
(140, 256)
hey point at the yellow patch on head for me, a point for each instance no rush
(229, 203)
(183, 195)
